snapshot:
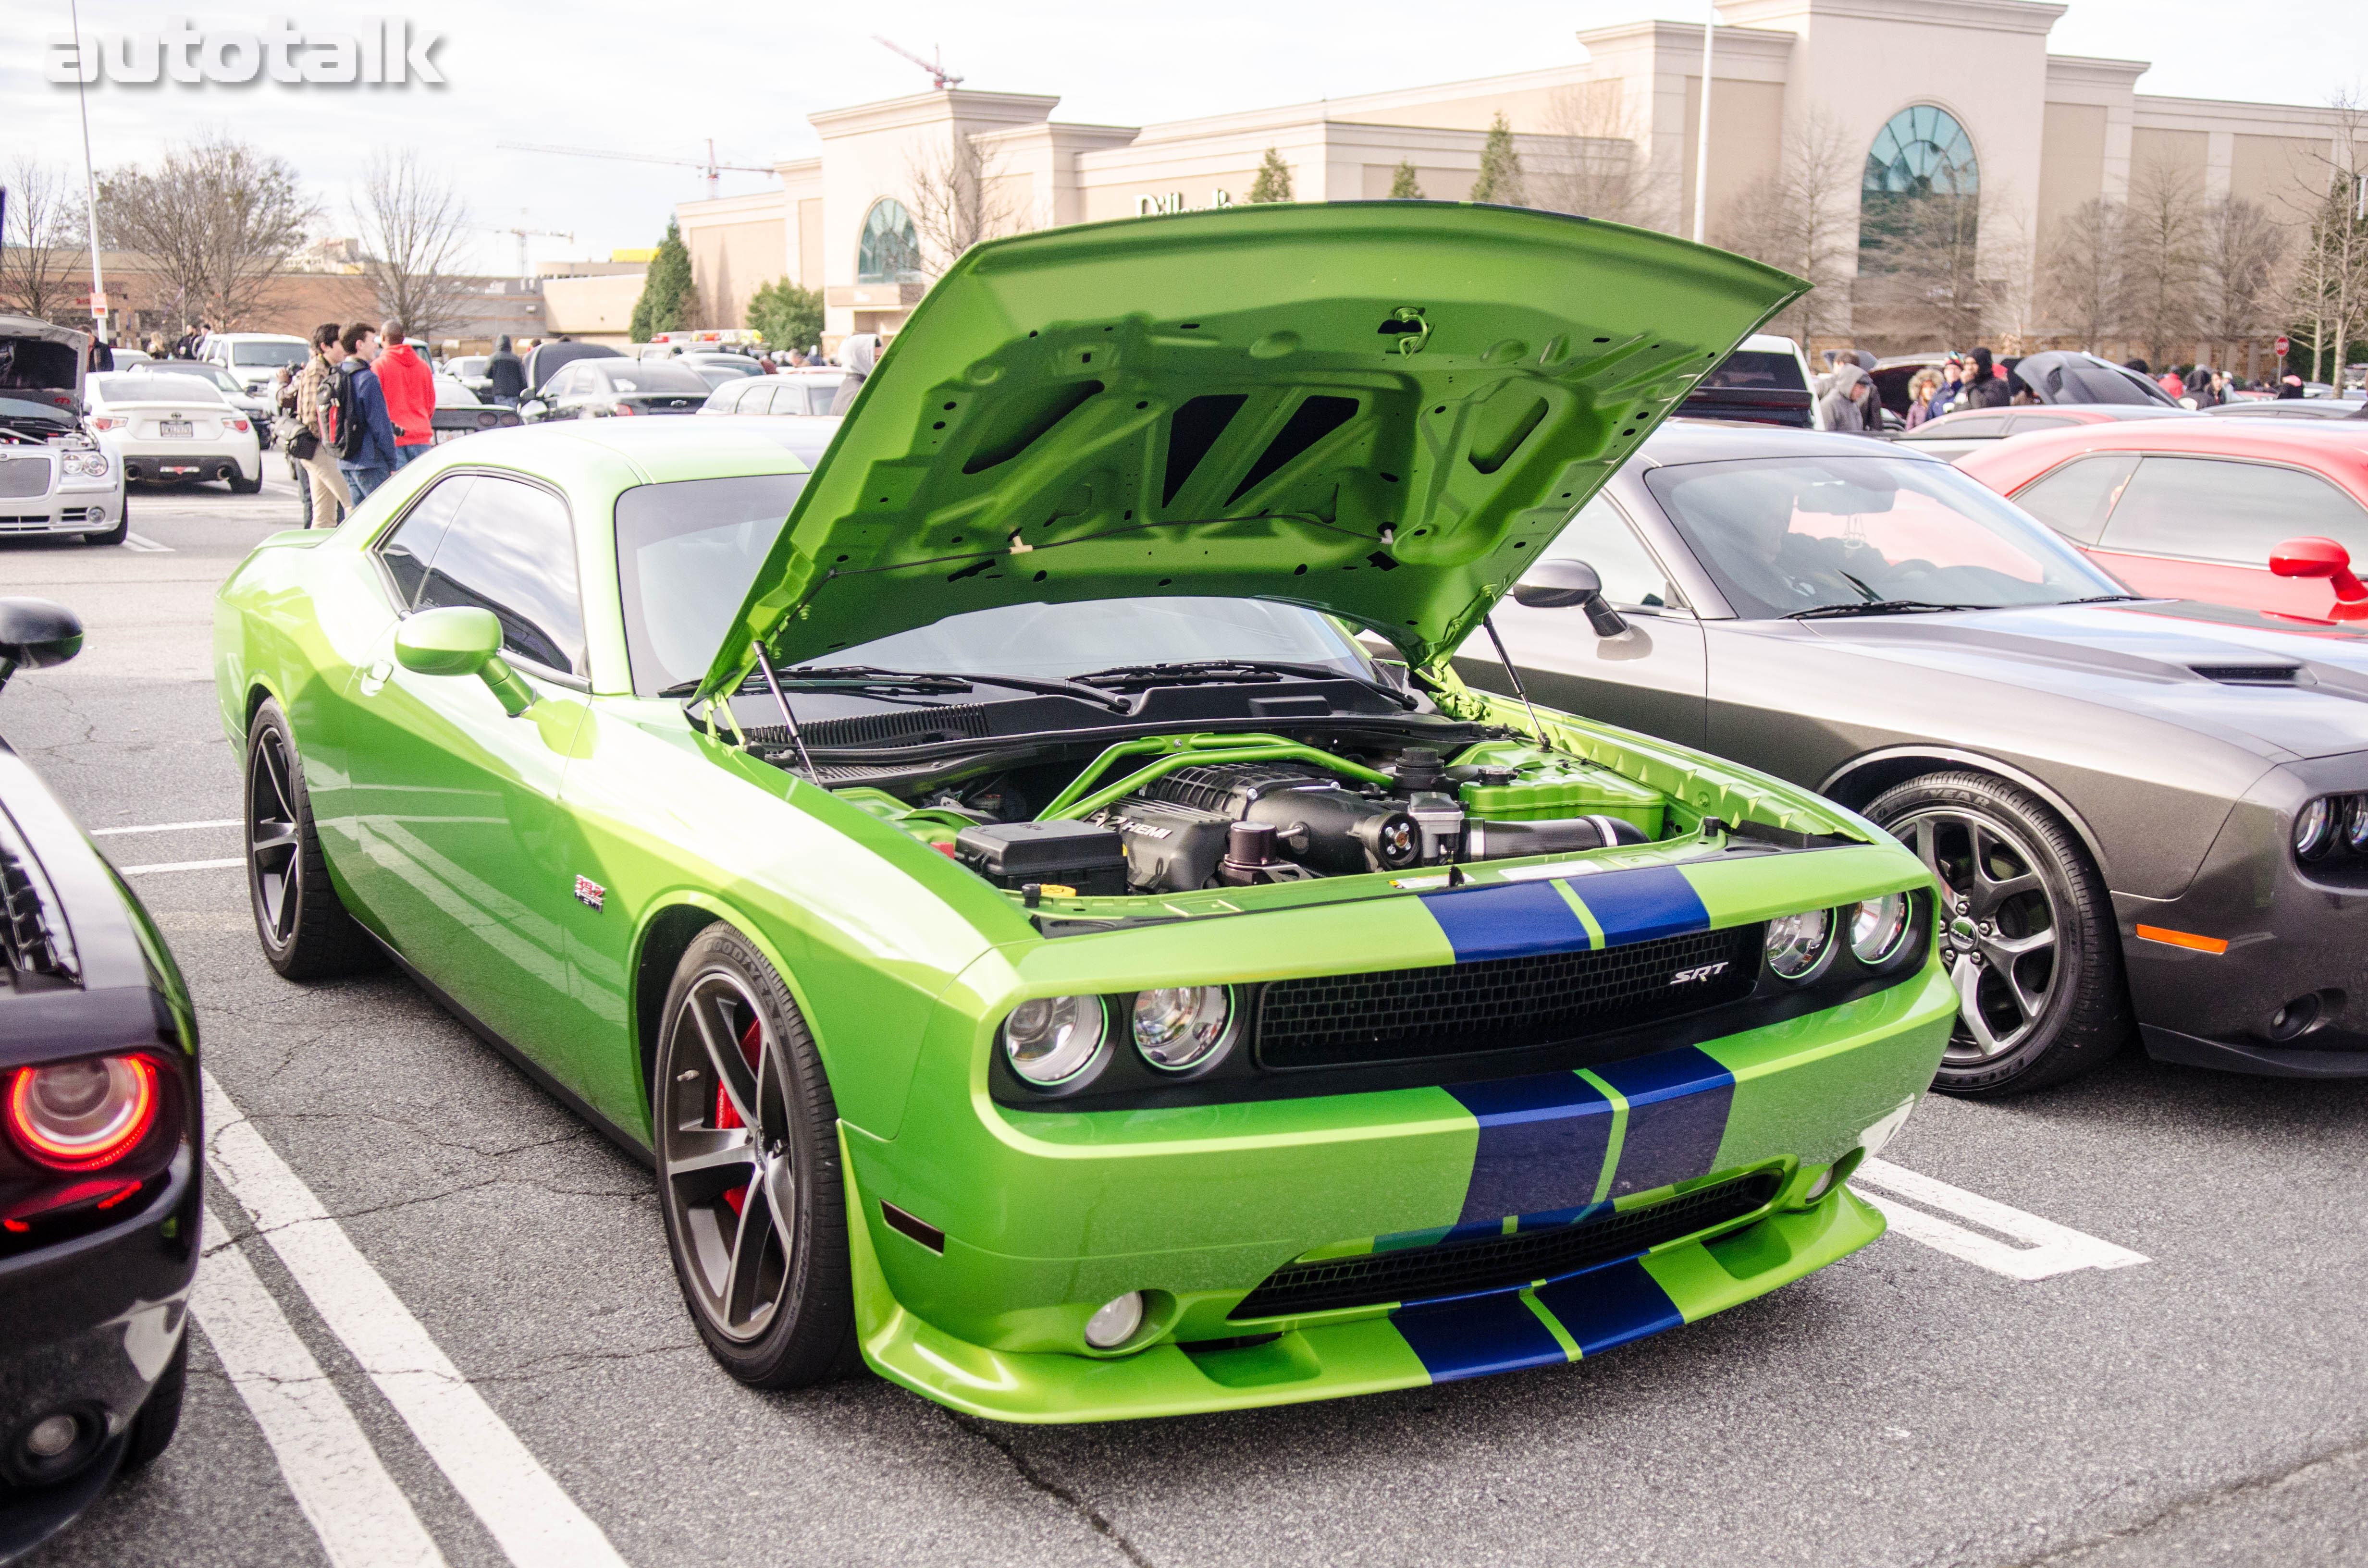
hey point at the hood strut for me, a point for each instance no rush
(789, 719)
(1513, 674)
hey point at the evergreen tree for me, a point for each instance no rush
(669, 301)
(1273, 182)
(788, 316)
(1501, 169)
(1402, 184)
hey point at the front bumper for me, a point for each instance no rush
(2294, 942)
(1196, 1206)
(62, 511)
(92, 1323)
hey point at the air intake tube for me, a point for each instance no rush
(1485, 840)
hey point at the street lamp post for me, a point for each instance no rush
(1701, 132)
(89, 178)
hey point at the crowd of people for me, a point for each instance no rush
(1978, 378)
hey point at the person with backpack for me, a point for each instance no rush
(365, 441)
(326, 498)
(505, 373)
(409, 387)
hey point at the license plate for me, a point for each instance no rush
(168, 429)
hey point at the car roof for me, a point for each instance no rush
(1719, 440)
(661, 449)
(2333, 448)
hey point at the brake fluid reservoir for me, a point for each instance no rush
(1548, 784)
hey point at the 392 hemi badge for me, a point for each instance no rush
(588, 892)
(1683, 976)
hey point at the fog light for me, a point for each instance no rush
(1798, 944)
(52, 1437)
(1832, 1176)
(1116, 1323)
(2295, 1018)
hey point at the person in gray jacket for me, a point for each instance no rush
(1849, 402)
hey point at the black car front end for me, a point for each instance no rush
(100, 1197)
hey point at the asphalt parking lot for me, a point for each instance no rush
(436, 1321)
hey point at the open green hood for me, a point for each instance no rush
(1380, 409)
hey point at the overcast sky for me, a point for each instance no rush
(624, 74)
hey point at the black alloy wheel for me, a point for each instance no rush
(2024, 927)
(749, 1183)
(302, 924)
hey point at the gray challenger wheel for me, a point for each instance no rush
(302, 924)
(2025, 929)
(747, 1139)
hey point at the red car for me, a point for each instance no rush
(2268, 514)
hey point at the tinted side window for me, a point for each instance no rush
(2229, 511)
(409, 551)
(2074, 499)
(1601, 537)
(510, 551)
(1962, 427)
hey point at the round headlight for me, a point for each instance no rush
(1050, 1040)
(2355, 823)
(1181, 1026)
(1797, 943)
(1877, 927)
(2314, 829)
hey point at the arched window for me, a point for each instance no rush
(890, 251)
(1921, 175)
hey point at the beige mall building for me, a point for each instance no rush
(1907, 88)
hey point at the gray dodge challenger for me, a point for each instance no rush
(2142, 812)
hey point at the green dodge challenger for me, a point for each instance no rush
(1047, 910)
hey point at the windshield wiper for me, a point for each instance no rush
(1199, 671)
(2105, 599)
(865, 677)
(1879, 607)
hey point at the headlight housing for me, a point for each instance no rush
(1877, 928)
(2314, 829)
(80, 464)
(1179, 1028)
(1799, 944)
(1048, 1040)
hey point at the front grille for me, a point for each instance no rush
(24, 476)
(34, 948)
(1501, 1263)
(1397, 1015)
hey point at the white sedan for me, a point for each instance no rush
(176, 429)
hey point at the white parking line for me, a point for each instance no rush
(2049, 1248)
(165, 827)
(139, 542)
(362, 1518)
(535, 1522)
(179, 866)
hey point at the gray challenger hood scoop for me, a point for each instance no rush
(2280, 689)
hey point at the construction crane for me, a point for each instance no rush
(523, 234)
(707, 165)
(935, 65)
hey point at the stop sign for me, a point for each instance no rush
(2282, 345)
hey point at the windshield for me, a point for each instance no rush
(1784, 534)
(656, 377)
(269, 353)
(178, 387)
(1756, 368)
(212, 375)
(686, 551)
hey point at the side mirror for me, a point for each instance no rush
(35, 634)
(533, 408)
(461, 640)
(1557, 585)
(2310, 556)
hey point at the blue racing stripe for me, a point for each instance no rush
(1678, 1104)
(1543, 1143)
(1472, 1339)
(1638, 906)
(1510, 920)
(1609, 1306)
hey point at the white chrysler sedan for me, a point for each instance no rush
(57, 474)
(176, 430)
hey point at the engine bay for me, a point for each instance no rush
(1172, 813)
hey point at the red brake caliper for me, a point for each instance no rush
(726, 1117)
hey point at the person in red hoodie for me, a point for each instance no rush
(410, 388)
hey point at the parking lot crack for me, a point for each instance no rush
(1053, 1488)
(2236, 1491)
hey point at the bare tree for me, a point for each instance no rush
(2011, 284)
(43, 253)
(2080, 285)
(1589, 163)
(959, 194)
(2330, 287)
(411, 225)
(2162, 258)
(1805, 221)
(2242, 247)
(218, 219)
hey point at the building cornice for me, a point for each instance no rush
(923, 108)
(2090, 70)
(1986, 15)
(1776, 44)
(1063, 134)
(2274, 117)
